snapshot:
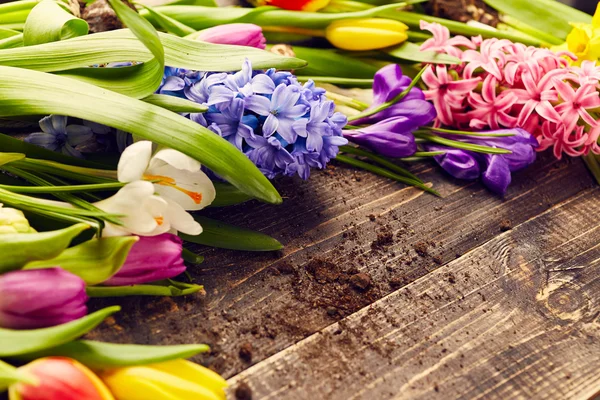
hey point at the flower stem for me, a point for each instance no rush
(593, 163)
(385, 173)
(379, 160)
(292, 29)
(467, 133)
(354, 82)
(340, 99)
(60, 189)
(390, 103)
(461, 145)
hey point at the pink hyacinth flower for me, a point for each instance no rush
(575, 103)
(441, 41)
(591, 143)
(588, 72)
(490, 57)
(489, 109)
(446, 94)
(537, 96)
(562, 141)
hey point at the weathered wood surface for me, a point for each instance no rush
(337, 224)
(514, 318)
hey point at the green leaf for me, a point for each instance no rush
(49, 22)
(26, 92)
(73, 57)
(159, 288)
(169, 24)
(20, 248)
(548, 16)
(8, 143)
(219, 234)
(228, 195)
(93, 261)
(10, 375)
(327, 62)
(18, 342)
(175, 104)
(100, 355)
(192, 257)
(410, 51)
(6, 33)
(7, 158)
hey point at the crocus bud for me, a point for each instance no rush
(171, 380)
(459, 163)
(152, 258)
(39, 298)
(366, 34)
(296, 5)
(59, 378)
(249, 35)
(13, 221)
(392, 137)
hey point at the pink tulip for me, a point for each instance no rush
(249, 35)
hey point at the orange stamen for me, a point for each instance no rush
(168, 181)
(159, 220)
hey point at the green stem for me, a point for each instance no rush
(422, 154)
(59, 189)
(593, 164)
(296, 30)
(379, 160)
(353, 82)
(191, 257)
(466, 133)
(81, 174)
(461, 145)
(385, 173)
(346, 101)
(390, 103)
(529, 30)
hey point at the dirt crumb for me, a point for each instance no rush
(246, 352)
(243, 391)
(421, 248)
(505, 225)
(384, 239)
(286, 268)
(360, 281)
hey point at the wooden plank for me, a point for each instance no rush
(341, 220)
(516, 318)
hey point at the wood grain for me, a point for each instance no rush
(329, 218)
(516, 318)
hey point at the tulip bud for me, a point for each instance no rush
(13, 221)
(366, 34)
(39, 298)
(295, 5)
(59, 378)
(152, 258)
(171, 380)
(248, 35)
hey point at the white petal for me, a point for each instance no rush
(134, 161)
(141, 209)
(181, 220)
(175, 158)
(191, 190)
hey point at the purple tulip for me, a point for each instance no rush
(495, 169)
(150, 259)
(249, 35)
(387, 84)
(40, 298)
(392, 137)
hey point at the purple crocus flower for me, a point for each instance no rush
(391, 137)
(40, 298)
(387, 84)
(150, 259)
(494, 169)
(57, 136)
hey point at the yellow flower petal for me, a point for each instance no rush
(366, 34)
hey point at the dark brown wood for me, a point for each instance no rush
(340, 217)
(516, 318)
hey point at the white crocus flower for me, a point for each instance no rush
(177, 179)
(142, 212)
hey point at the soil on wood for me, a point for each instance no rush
(463, 11)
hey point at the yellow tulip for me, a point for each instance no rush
(366, 34)
(171, 380)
